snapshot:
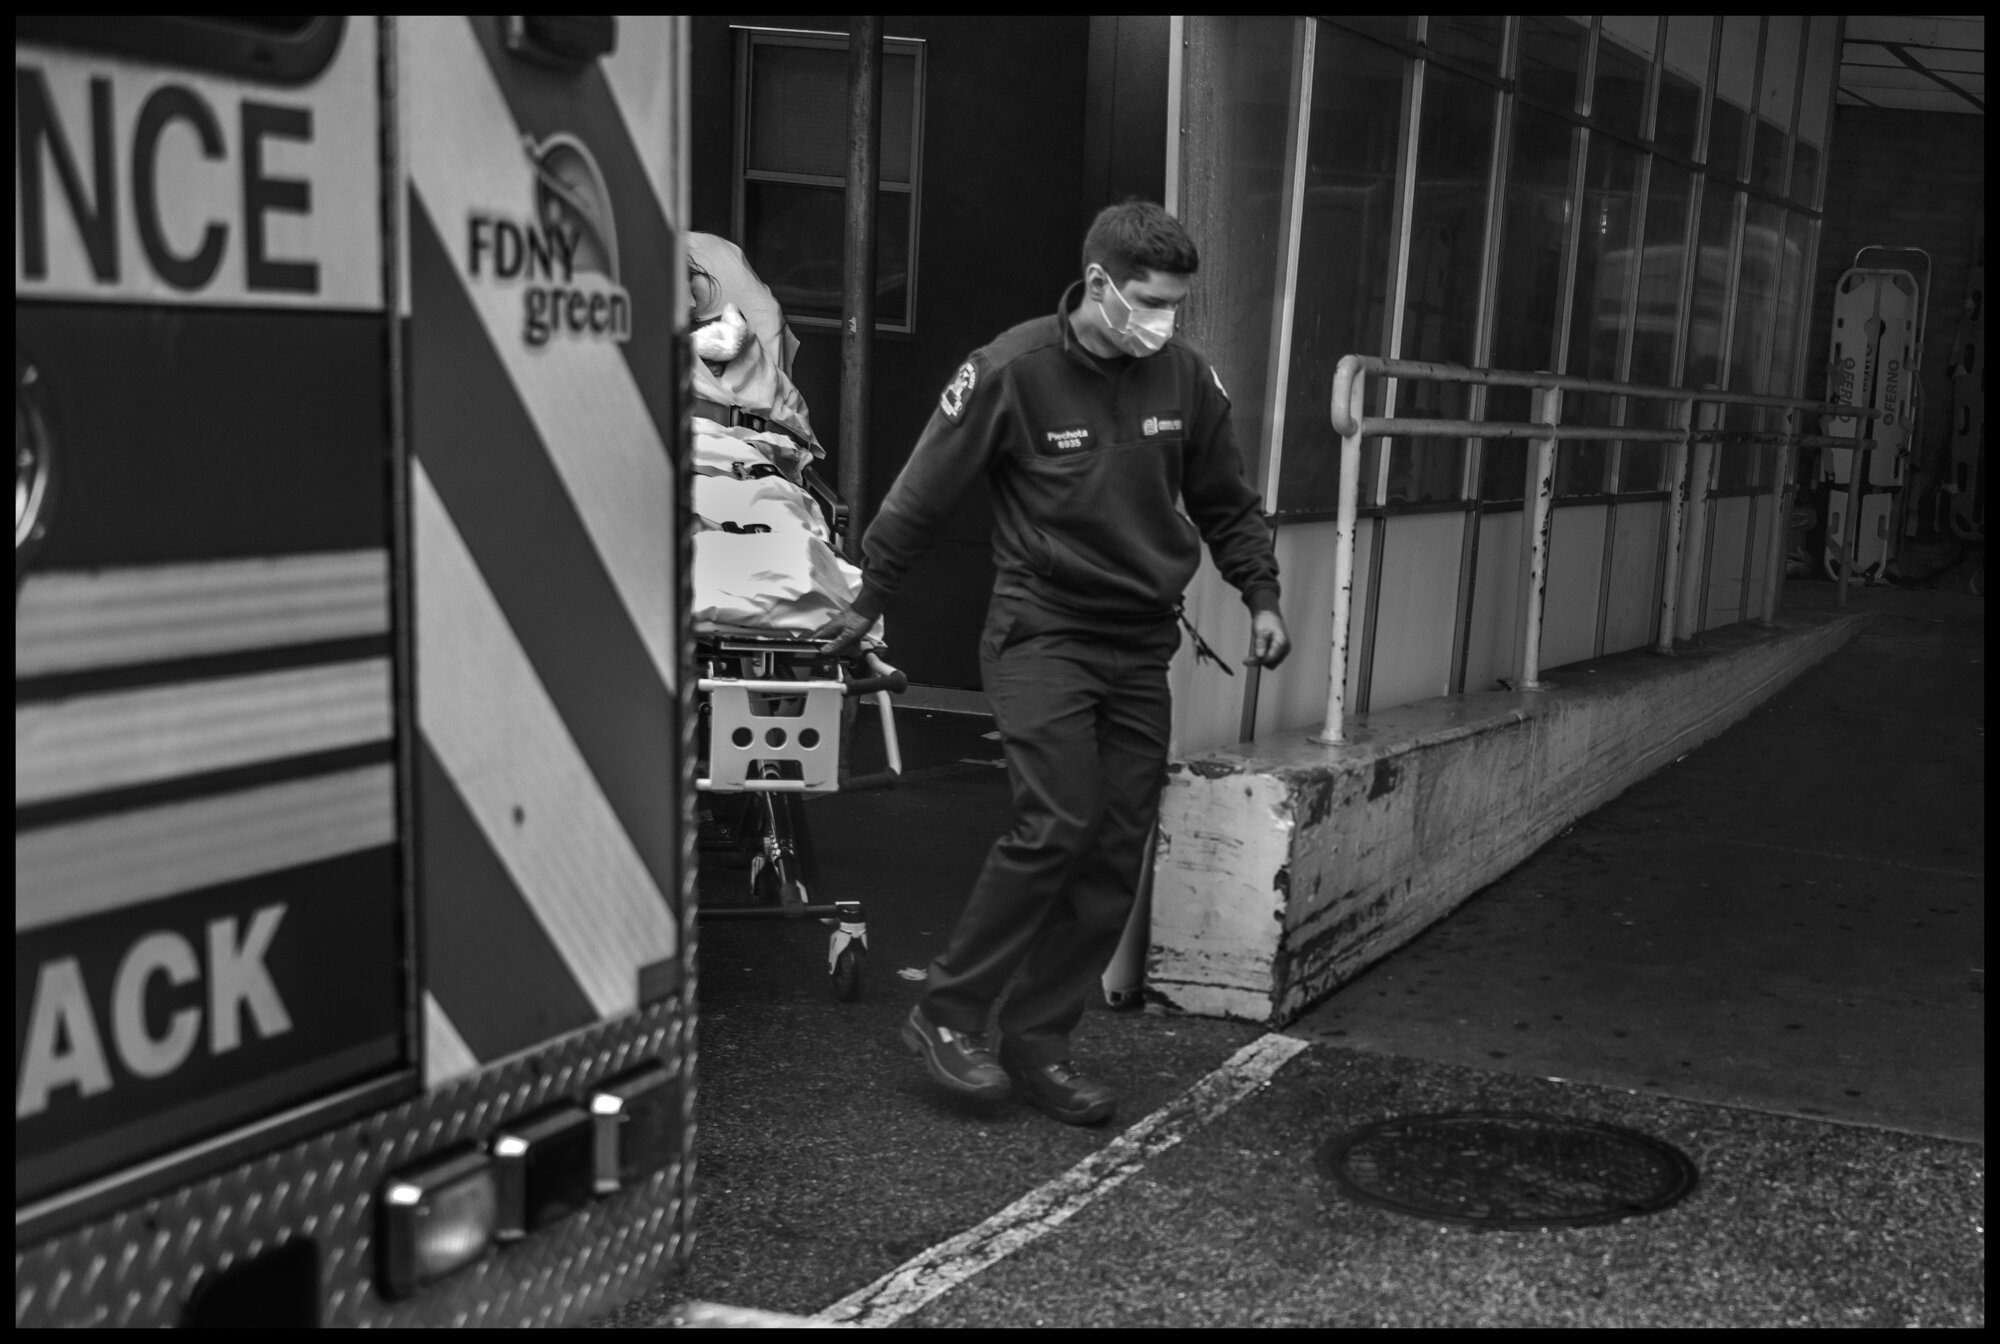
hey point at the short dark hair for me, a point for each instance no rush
(1135, 236)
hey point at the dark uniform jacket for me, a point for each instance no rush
(1090, 462)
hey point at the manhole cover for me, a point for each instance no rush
(1508, 1169)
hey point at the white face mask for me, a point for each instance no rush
(721, 339)
(1145, 330)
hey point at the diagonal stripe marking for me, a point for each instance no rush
(943, 1267)
(500, 739)
(446, 1055)
(466, 157)
(480, 450)
(487, 959)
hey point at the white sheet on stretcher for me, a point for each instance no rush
(782, 580)
(767, 501)
(788, 578)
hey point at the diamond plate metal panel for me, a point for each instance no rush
(142, 1265)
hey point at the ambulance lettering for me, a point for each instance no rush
(65, 1046)
(565, 257)
(180, 159)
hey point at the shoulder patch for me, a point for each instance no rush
(1218, 382)
(952, 403)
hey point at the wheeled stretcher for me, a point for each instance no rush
(774, 714)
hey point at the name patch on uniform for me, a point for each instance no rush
(952, 403)
(1070, 439)
(1166, 422)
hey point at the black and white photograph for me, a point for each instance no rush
(999, 671)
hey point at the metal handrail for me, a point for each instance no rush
(1692, 413)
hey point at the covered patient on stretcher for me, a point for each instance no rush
(764, 554)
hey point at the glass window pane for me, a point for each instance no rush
(1598, 323)
(1815, 106)
(1471, 38)
(798, 110)
(1624, 55)
(1683, 75)
(1792, 298)
(1822, 56)
(1781, 69)
(1805, 172)
(1533, 231)
(1239, 116)
(1725, 140)
(1534, 227)
(1751, 340)
(793, 233)
(1447, 239)
(1657, 321)
(1767, 157)
(1663, 267)
(1703, 366)
(1735, 90)
(1768, 169)
(1344, 248)
(1551, 56)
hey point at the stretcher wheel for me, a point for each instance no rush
(846, 974)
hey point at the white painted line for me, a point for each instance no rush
(949, 1263)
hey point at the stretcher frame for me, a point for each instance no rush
(757, 724)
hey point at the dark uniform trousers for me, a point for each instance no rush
(1084, 714)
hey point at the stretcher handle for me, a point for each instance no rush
(885, 678)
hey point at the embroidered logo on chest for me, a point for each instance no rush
(1166, 422)
(1070, 439)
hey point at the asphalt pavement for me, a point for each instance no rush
(1769, 954)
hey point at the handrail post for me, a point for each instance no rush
(1343, 563)
(1781, 520)
(1536, 520)
(1694, 547)
(1670, 568)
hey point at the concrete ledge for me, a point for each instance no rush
(1286, 868)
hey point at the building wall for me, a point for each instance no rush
(1627, 198)
(1880, 192)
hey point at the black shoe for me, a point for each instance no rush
(1060, 1091)
(958, 1061)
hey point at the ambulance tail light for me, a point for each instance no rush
(635, 1120)
(544, 1167)
(437, 1218)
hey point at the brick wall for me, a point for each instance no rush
(1911, 179)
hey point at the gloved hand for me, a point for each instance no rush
(1269, 640)
(845, 631)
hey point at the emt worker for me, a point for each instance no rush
(1107, 445)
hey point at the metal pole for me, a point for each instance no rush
(1343, 561)
(857, 307)
(1537, 517)
(1781, 521)
(1670, 569)
(1850, 541)
(1694, 548)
